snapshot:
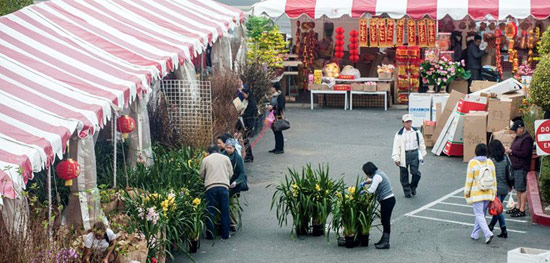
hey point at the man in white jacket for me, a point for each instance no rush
(408, 152)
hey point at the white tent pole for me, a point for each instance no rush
(114, 149)
(49, 183)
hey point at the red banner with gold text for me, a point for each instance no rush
(389, 32)
(363, 32)
(373, 26)
(411, 30)
(382, 32)
(400, 32)
(422, 37)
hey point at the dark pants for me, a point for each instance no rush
(279, 141)
(499, 218)
(386, 208)
(248, 147)
(218, 200)
(476, 74)
(412, 164)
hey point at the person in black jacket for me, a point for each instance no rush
(474, 55)
(249, 120)
(237, 183)
(277, 105)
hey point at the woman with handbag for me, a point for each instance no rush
(504, 181)
(277, 106)
(480, 189)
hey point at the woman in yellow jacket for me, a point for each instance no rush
(474, 194)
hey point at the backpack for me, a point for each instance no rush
(485, 179)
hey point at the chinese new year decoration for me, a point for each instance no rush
(382, 32)
(339, 43)
(125, 124)
(511, 31)
(373, 32)
(353, 46)
(400, 32)
(422, 33)
(531, 45)
(432, 33)
(498, 39)
(411, 28)
(307, 50)
(408, 61)
(363, 32)
(68, 170)
(298, 34)
(389, 32)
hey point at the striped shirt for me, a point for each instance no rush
(472, 193)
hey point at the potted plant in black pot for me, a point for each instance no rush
(323, 190)
(345, 216)
(367, 209)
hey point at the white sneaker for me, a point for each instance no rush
(488, 240)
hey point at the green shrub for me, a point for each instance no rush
(540, 86)
(10, 6)
(545, 180)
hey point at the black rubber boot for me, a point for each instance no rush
(385, 242)
(381, 241)
(503, 232)
(491, 227)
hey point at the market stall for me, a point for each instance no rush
(368, 34)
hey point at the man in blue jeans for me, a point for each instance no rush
(216, 170)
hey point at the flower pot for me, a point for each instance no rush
(194, 245)
(351, 241)
(301, 231)
(431, 88)
(364, 240)
(318, 230)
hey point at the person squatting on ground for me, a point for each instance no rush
(503, 171)
(380, 184)
(216, 170)
(100, 241)
(221, 139)
(277, 106)
(520, 154)
(408, 153)
(237, 183)
(480, 189)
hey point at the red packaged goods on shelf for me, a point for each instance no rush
(342, 87)
(346, 76)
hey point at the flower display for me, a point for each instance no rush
(442, 72)
(266, 44)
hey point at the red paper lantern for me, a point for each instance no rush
(340, 37)
(353, 33)
(338, 49)
(68, 170)
(125, 124)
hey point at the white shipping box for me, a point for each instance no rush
(420, 108)
(528, 255)
(438, 98)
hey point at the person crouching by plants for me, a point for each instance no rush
(380, 184)
(100, 243)
(480, 189)
(237, 183)
(216, 170)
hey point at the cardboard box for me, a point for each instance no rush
(428, 141)
(383, 86)
(506, 137)
(384, 75)
(499, 115)
(428, 128)
(516, 99)
(475, 125)
(420, 105)
(508, 86)
(454, 97)
(440, 99)
(478, 85)
(438, 111)
(459, 85)
(369, 87)
(472, 103)
(357, 86)
(528, 255)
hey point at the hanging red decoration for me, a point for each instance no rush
(125, 124)
(373, 32)
(68, 170)
(353, 46)
(339, 43)
(298, 34)
(390, 33)
(498, 39)
(363, 32)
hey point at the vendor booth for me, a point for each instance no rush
(409, 46)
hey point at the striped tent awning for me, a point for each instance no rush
(436, 9)
(66, 64)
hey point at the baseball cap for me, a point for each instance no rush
(407, 117)
(517, 124)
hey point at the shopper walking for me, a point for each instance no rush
(237, 183)
(503, 171)
(216, 170)
(380, 184)
(520, 154)
(408, 153)
(277, 106)
(480, 189)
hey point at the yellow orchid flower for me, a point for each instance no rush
(317, 187)
(196, 201)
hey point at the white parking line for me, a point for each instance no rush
(429, 207)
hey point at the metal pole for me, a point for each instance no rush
(49, 183)
(114, 149)
(202, 65)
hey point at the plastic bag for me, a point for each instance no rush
(270, 119)
(511, 204)
(495, 207)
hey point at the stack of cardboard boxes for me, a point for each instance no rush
(428, 129)
(467, 120)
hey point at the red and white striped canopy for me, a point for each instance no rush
(436, 9)
(66, 64)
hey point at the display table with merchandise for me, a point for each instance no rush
(330, 92)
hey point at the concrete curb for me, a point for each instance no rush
(533, 196)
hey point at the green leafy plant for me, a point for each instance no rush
(540, 85)
(266, 43)
(545, 179)
(10, 6)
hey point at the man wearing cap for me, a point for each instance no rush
(408, 152)
(520, 154)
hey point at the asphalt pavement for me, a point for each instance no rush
(434, 226)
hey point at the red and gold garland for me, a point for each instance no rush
(411, 28)
(498, 35)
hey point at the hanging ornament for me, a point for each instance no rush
(411, 29)
(422, 37)
(339, 43)
(382, 32)
(125, 124)
(400, 32)
(363, 32)
(390, 33)
(531, 45)
(68, 170)
(432, 33)
(298, 35)
(373, 32)
(353, 46)
(498, 39)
